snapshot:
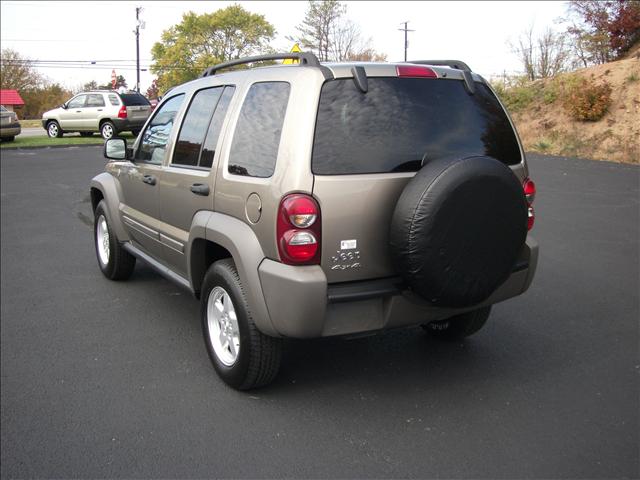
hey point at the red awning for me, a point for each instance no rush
(10, 97)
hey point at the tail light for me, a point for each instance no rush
(299, 230)
(415, 71)
(122, 113)
(529, 194)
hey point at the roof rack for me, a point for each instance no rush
(305, 58)
(446, 63)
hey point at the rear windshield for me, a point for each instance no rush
(134, 100)
(401, 123)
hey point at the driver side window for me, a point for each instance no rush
(155, 137)
(77, 102)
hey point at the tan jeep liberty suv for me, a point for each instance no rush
(310, 200)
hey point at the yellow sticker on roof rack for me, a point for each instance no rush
(293, 61)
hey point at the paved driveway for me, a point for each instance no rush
(104, 379)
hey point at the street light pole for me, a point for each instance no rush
(406, 40)
(138, 49)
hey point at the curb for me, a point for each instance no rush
(42, 147)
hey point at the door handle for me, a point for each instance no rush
(200, 189)
(149, 179)
(78, 111)
(99, 109)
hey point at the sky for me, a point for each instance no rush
(475, 32)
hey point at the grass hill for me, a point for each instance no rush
(545, 111)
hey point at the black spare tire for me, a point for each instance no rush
(457, 230)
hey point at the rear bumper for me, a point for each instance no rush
(302, 305)
(10, 130)
(128, 124)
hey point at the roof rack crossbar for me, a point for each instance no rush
(445, 63)
(305, 58)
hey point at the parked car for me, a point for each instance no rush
(105, 111)
(313, 200)
(9, 125)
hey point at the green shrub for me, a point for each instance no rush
(586, 100)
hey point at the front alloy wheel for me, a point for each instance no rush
(224, 333)
(102, 240)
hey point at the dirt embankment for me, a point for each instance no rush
(545, 126)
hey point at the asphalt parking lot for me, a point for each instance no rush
(104, 379)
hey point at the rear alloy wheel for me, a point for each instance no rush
(108, 130)
(460, 326)
(54, 130)
(243, 357)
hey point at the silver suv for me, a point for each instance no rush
(104, 111)
(311, 200)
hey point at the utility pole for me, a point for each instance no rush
(406, 40)
(138, 10)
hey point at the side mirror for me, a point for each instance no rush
(64, 105)
(116, 149)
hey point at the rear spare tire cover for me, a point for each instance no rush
(457, 230)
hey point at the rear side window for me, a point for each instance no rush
(95, 100)
(215, 127)
(134, 100)
(402, 122)
(194, 127)
(257, 137)
(113, 99)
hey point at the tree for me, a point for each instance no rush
(42, 98)
(92, 85)
(17, 72)
(317, 30)
(541, 57)
(153, 92)
(331, 36)
(603, 30)
(199, 41)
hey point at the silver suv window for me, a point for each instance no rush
(95, 100)
(402, 122)
(257, 137)
(156, 135)
(77, 102)
(113, 99)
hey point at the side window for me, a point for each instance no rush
(77, 102)
(95, 100)
(194, 126)
(113, 99)
(209, 149)
(156, 135)
(257, 137)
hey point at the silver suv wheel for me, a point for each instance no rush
(107, 131)
(102, 240)
(52, 129)
(224, 333)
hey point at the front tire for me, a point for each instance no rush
(54, 130)
(108, 130)
(114, 261)
(460, 326)
(243, 357)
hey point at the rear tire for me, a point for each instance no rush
(114, 261)
(243, 357)
(8, 139)
(54, 130)
(460, 326)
